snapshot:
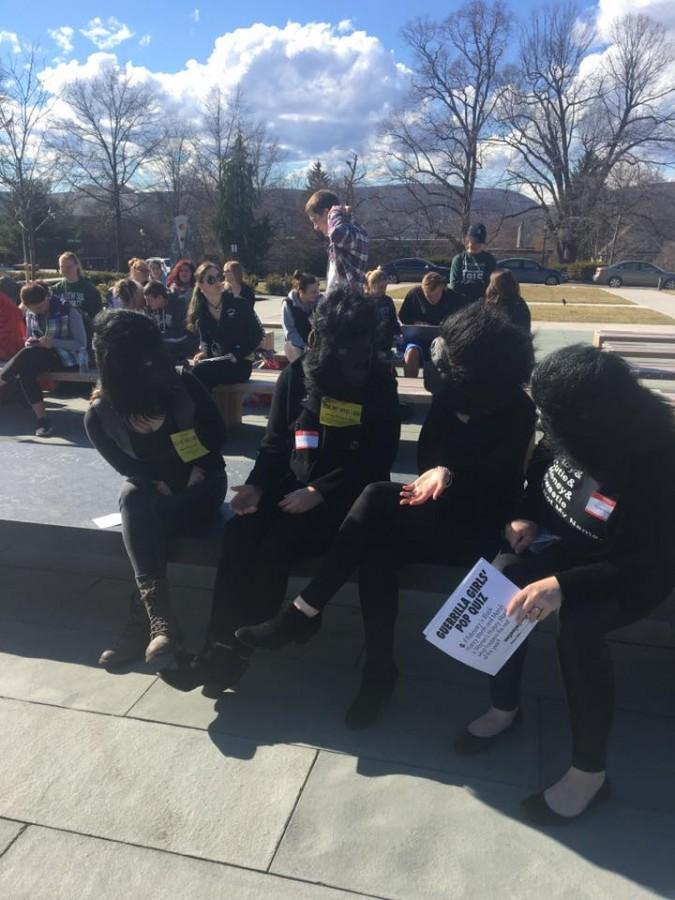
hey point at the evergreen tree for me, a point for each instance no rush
(236, 202)
(318, 178)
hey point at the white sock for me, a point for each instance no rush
(305, 608)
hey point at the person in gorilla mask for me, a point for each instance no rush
(333, 428)
(471, 453)
(163, 433)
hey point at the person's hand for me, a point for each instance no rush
(520, 533)
(429, 486)
(201, 354)
(230, 357)
(163, 488)
(300, 501)
(536, 601)
(46, 342)
(196, 475)
(247, 499)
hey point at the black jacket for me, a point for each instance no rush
(298, 450)
(238, 330)
(416, 309)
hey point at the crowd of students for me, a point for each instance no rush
(583, 524)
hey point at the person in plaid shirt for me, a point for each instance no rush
(347, 241)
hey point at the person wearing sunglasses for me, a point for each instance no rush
(228, 329)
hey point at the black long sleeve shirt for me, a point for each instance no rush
(238, 330)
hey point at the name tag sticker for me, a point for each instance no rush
(187, 445)
(600, 507)
(306, 440)
(339, 413)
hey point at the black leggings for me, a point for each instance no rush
(212, 372)
(27, 365)
(258, 553)
(378, 536)
(583, 652)
(149, 519)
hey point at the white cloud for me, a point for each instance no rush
(9, 37)
(106, 34)
(344, 26)
(321, 92)
(195, 16)
(662, 11)
(63, 38)
(145, 40)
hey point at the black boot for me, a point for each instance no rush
(133, 640)
(377, 685)
(218, 667)
(289, 625)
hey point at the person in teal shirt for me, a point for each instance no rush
(470, 271)
(81, 293)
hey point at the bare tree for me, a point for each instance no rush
(435, 144)
(108, 139)
(174, 159)
(353, 176)
(569, 128)
(26, 169)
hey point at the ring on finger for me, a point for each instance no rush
(537, 610)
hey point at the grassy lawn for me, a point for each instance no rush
(635, 315)
(540, 293)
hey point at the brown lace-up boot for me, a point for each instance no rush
(155, 598)
(133, 640)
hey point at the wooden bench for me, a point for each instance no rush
(650, 354)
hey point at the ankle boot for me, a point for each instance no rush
(131, 643)
(218, 667)
(377, 685)
(289, 625)
(155, 598)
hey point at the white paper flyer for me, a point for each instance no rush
(472, 625)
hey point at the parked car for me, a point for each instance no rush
(636, 274)
(412, 269)
(527, 271)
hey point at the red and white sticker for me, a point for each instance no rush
(600, 507)
(306, 440)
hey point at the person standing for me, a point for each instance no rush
(470, 270)
(347, 241)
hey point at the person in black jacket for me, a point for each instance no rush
(503, 292)
(229, 330)
(428, 304)
(594, 543)
(163, 433)
(168, 311)
(333, 429)
(471, 456)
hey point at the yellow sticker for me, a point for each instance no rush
(187, 444)
(339, 413)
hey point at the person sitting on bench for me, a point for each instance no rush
(333, 428)
(296, 313)
(426, 305)
(55, 337)
(471, 455)
(389, 327)
(163, 433)
(229, 330)
(168, 312)
(593, 543)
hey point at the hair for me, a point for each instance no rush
(173, 274)
(236, 268)
(502, 287)
(338, 318)
(33, 293)
(320, 202)
(155, 289)
(198, 301)
(596, 411)
(136, 375)
(129, 292)
(302, 280)
(376, 276)
(482, 358)
(135, 261)
(432, 281)
(73, 257)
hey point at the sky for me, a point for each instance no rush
(320, 74)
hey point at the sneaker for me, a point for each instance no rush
(43, 428)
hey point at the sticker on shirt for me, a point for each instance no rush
(306, 440)
(599, 506)
(339, 413)
(187, 445)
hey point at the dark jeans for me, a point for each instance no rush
(27, 365)
(212, 372)
(150, 519)
(583, 652)
(378, 536)
(258, 553)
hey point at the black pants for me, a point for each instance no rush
(27, 365)
(149, 519)
(258, 553)
(583, 652)
(378, 536)
(212, 372)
